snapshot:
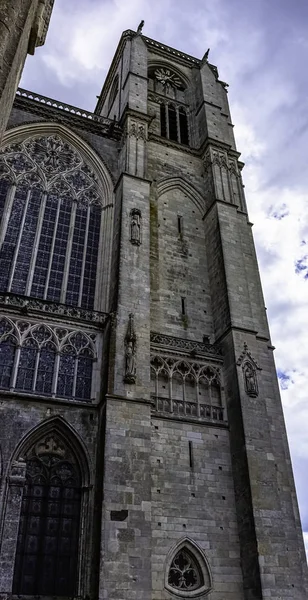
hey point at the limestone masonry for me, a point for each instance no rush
(143, 446)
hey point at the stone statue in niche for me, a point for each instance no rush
(130, 352)
(250, 379)
(135, 227)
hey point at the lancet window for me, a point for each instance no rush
(50, 209)
(174, 123)
(47, 546)
(45, 361)
(169, 88)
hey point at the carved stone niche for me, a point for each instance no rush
(249, 369)
(135, 227)
(130, 352)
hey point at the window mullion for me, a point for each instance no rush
(15, 367)
(17, 247)
(68, 253)
(37, 360)
(75, 376)
(52, 250)
(84, 256)
(36, 244)
(7, 212)
(167, 120)
(178, 123)
(55, 375)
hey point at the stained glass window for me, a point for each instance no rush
(46, 360)
(53, 223)
(47, 546)
(66, 374)
(25, 243)
(7, 353)
(45, 370)
(84, 377)
(26, 367)
(10, 240)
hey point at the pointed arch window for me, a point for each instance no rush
(7, 354)
(185, 573)
(41, 364)
(188, 574)
(47, 547)
(174, 123)
(51, 223)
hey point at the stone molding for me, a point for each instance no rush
(66, 113)
(183, 346)
(28, 306)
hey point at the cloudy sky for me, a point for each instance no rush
(261, 50)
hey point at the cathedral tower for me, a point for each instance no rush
(143, 446)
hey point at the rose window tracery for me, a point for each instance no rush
(187, 573)
(184, 572)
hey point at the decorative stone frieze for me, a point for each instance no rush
(35, 306)
(223, 179)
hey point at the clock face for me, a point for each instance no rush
(167, 78)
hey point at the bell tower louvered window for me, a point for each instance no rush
(170, 88)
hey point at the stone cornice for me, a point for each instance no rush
(198, 152)
(61, 112)
(153, 137)
(135, 114)
(13, 303)
(182, 346)
(169, 52)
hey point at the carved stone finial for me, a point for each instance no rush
(140, 27)
(130, 351)
(205, 58)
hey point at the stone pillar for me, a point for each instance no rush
(13, 500)
(126, 522)
(272, 550)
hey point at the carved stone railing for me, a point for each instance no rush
(187, 346)
(28, 306)
(68, 109)
(184, 408)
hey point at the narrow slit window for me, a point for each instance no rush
(191, 457)
(183, 305)
(180, 225)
